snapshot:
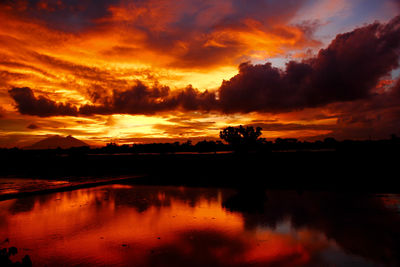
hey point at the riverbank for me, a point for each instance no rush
(322, 170)
(25, 187)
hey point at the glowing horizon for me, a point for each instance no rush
(170, 70)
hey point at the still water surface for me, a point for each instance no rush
(123, 225)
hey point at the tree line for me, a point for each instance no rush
(241, 139)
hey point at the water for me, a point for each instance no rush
(123, 225)
(12, 187)
(17, 185)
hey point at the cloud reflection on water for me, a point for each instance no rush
(175, 226)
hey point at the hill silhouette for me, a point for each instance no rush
(57, 141)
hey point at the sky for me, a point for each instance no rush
(158, 71)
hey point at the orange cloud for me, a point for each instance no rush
(84, 53)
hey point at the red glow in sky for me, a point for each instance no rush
(161, 70)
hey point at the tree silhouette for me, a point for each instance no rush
(242, 138)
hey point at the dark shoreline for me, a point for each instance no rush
(65, 188)
(301, 171)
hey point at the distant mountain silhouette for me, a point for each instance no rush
(57, 141)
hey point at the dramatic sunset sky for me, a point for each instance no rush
(162, 70)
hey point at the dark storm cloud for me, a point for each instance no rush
(41, 106)
(376, 117)
(347, 70)
(66, 15)
(207, 33)
(141, 99)
(193, 33)
(76, 15)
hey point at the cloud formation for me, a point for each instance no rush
(66, 15)
(140, 99)
(347, 70)
(373, 117)
(200, 34)
(84, 59)
(28, 104)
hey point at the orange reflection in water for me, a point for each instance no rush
(147, 226)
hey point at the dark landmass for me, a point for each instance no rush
(57, 141)
(283, 164)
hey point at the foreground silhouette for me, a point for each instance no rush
(5, 260)
(285, 163)
(242, 139)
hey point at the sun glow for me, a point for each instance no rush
(92, 53)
